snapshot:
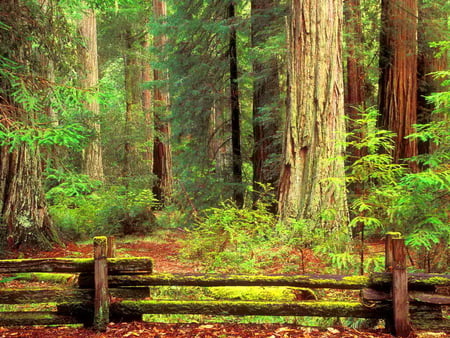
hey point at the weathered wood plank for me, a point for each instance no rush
(115, 265)
(35, 318)
(416, 281)
(319, 281)
(379, 281)
(240, 308)
(60, 295)
(414, 296)
(428, 317)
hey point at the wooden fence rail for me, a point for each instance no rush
(395, 296)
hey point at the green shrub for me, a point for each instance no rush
(82, 209)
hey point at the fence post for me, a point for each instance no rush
(101, 301)
(388, 249)
(111, 250)
(400, 303)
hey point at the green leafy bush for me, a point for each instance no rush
(228, 238)
(82, 208)
(392, 198)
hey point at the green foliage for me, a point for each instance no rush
(82, 209)
(393, 199)
(228, 238)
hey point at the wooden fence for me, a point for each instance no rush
(113, 289)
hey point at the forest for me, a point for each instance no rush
(260, 129)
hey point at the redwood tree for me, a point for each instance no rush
(354, 93)
(92, 155)
(162, 157)
(398, 80)
(312, 178)
(238, 194)
(266, 97)
(23, 210)
(432, 28)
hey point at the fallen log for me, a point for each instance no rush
(416, 281)
(60, 295)
(243, 308)
(115, 265)
(35, 318)
(308, 281)
(414, 296)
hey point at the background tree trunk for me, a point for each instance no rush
(398, 81)
(24, 217)
(266, 99)
(354, 98)
(92, 155)
(133, 102)
(147, 104)
(432, 28)
(312, 179)
(162, 156)
(238, 194)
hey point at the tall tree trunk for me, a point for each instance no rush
(354, 98)
(238, 194)
(312, 179)
(147, 104)
(398, 81)
(92, 155)
(266, 100)
(162, 155)
(432, 28)
(23, 211)
(133, 103)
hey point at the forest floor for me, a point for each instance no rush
(164, 249)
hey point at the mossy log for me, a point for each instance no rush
(242, 308)
(35, 318)
(379, 281)
(424, 297)
(61, 295)
(208, 279)
(416, 281)
(115, 265)
(428, 317)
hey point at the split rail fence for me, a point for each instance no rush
(111, 288)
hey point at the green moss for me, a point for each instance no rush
(275, 293)
(100, 240)
(394, 234)
(433, 281)
(45, 277)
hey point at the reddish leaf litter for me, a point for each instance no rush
(156, 330)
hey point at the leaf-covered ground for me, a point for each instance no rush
(164, 251)
(137, 329)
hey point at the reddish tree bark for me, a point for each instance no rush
(162, 156)
(266, 100)
(398, 81)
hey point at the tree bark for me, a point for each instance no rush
(147, 104)
(92, 155)
(355, 96)
(266, 100)
(398, 81)
(312, 179)
(24, 217)
(162, 154)
(238, 194)
(432, 28)
(133, 102)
